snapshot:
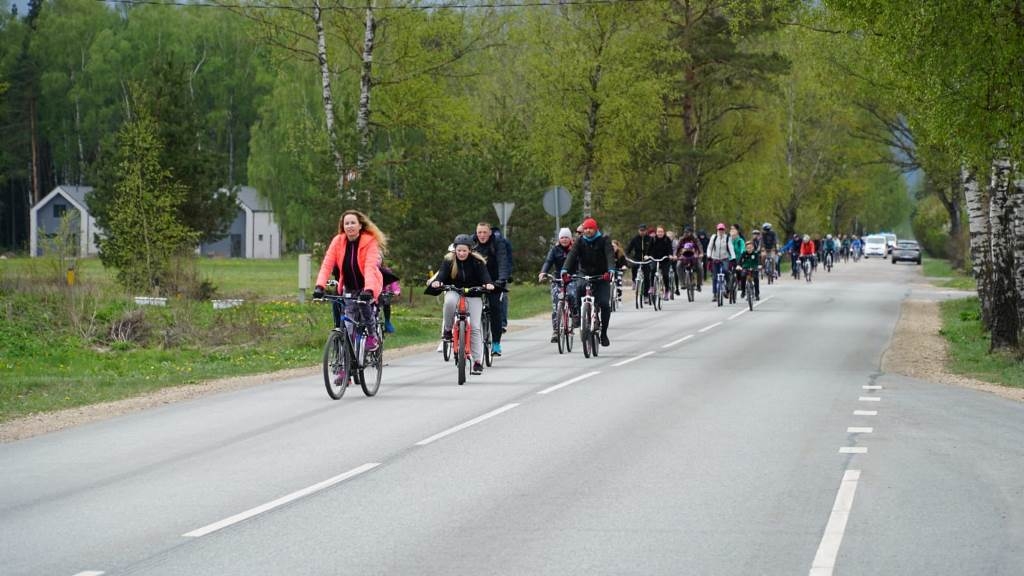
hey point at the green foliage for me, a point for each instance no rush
(142, 232)
(931, 227)
(969, 346)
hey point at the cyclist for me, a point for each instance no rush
(495, 252)
(593, 255)
(688, 258)
(807, 250)
(356, 251)
(638, 249)
(749, 263)
(720, 251)
(553, 264)
(770, 245)
(620, 265)
(855, 247)
(829, 247)
(695, 246)
(738, 244)
(465, 268)
(662, 248)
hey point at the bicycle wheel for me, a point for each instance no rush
(568, 333)
(485, 333)
(750, 294)
(639, 290)
(337, 363)
(595, 336)
(370, 373)
(731, 286)
(690, 281)
(446, 349)
(720, 293)
(460, 336)
(585, 329)
(561, 326)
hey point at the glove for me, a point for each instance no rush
(318, 292)
(365, 296)
(607, 276)
(566, 278)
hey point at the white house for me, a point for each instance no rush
(46, 215)
(253, 234)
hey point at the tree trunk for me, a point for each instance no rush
(1018, 253)
(325, 79)
(36, 194)
(976, 199)
(1003, 287)
(590, 142)
(365, 85)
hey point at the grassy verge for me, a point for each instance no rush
(63, 347)
(969, 343)
(950, 277)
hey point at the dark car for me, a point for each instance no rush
(908, 250)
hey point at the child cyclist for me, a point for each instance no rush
(464, 268)
(749, 263)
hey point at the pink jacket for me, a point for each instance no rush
(368, 256)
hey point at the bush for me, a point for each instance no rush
(931, 227)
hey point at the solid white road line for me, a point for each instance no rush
(568, 382)
(633, 359)
(825, 559)
(762, 301)
(681, 340)
(91, 573)
(465, 425)
(280, 501)
(865, 412)
(853, 450)
(866, 387)
(870, 399)
(706, 328)
(736, 315)
(859, 430)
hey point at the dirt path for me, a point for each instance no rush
(917, 350)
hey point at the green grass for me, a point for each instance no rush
(969, 345)
(64, 347)
(949, 277)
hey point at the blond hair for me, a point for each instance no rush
(367, 226)
(455, 261)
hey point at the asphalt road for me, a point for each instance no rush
(705, 440)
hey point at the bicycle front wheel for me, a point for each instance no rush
(750, 295)
(371, 372)
(461, 340)
(337, 364)
(485, 334)
(585, 329)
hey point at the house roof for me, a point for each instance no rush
(76, 194)
(253, 200)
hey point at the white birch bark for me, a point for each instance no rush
(1002, 288)
(325, 79)
(365, 87)
(976, 200)
(1017, 202)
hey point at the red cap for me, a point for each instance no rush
(590, 223)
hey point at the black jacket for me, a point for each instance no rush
(661, 247)
(497, 253)
(593, 256)
(639, 247)
(555, 260)
(469, 273)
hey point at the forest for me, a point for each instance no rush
(808, 115)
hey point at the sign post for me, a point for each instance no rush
(504, 210)
(557, 202)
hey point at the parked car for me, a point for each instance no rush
(906, 250)
(874, 246)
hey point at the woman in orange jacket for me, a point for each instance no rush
(356, 252)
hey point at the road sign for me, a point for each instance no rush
(557, 201)
(504, 210)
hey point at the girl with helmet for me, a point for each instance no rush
(464, 268)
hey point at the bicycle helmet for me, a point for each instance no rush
(828, 236)
(465, 239)
(766, 226)
(688, 246)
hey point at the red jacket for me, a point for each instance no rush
(807, 249)
(368, 255)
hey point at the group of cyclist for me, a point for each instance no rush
(484, 260)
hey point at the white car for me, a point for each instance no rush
(875, 246)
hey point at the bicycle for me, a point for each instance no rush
(748, 288)
(805, 264)
(730, 283)
(640, 286)
(563, 312)
(719, 286)
(655, 295)
(590, 319)
(689, 280)
(769, 267)
(828, 261)
(460, 345)
(616, 297)
(345, 355)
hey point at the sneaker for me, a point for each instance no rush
(496, 349)
(477, 368)
(604, 340)
(440, 347)
(554, 337)
(698, 287)
(446, 336)
(389, 327)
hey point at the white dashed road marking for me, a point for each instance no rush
(825, 559)
(568, 382)
(633, 359)
(465, 425)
